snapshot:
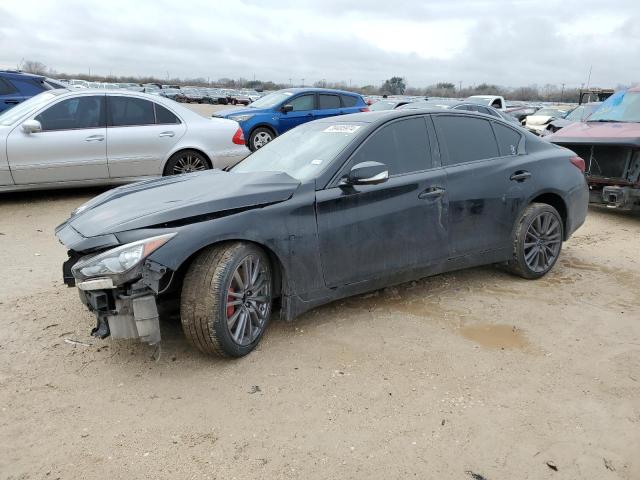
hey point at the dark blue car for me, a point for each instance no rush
(16, 87)
(274, 114)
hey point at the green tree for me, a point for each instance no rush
(394, 86)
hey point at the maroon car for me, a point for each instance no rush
(609, 142)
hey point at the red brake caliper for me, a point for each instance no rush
(230, 309)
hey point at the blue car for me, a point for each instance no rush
(274, 114)
(16, 87)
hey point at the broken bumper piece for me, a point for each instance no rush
(123, 317)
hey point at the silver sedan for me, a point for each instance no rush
(65, 138)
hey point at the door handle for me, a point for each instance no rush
(166, 134)
(433, 192)
(520, 176)
(94, 138)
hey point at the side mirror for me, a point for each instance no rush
(367, 173)
(31, 126)
(287, 108)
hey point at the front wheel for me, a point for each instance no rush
(226, 299)
(259, 138)
(537, 241)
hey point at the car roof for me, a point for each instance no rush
(382, 116)
(18, 74)
(318, 90)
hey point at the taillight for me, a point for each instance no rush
(238, 137)
(364, 109)
(578, 163)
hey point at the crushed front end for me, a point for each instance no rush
(119, 284)
(613, 173)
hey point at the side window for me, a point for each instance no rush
(327, 102)
(6, 88)
(129, 111)
(403, 146)
(508, 139)
(27, 86)
(74, 113)
(466, 138)
(349, 100)
(302, 103)
(164, 116)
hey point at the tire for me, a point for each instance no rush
(259, 138)
(537, 241)
(206, 316)
(186, 161)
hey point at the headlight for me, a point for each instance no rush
(119, 260)
(241, 118)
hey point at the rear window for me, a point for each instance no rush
(6, 88)
(349, 100)
(466, 138)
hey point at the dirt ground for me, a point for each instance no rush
(473, 372)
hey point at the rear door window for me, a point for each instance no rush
(508, 139)
(349, 100)
(402, 145)
(74, 113)
(130, 111)
(466, 139)
(164, 116)
(328, 102)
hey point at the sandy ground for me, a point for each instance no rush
(474, 372)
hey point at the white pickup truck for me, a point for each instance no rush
(495, 101)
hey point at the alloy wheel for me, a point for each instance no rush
(248, 301)
(189, 163)
(542, 242)
(261, 139)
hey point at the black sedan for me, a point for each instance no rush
(460, 105)
(332, 208)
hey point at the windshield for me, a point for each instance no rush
(620, 107)
(303, 152)
(271, 100)
(11, 116)
(577, 114)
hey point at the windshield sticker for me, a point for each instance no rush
(341, 128)
(317, 161)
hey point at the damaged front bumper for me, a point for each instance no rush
(123, 316)
(128, 311)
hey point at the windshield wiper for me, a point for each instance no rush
(607, 120)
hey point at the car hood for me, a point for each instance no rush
(241, 111)
(178, 198)
(599, 132)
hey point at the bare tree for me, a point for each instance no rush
(32, 66)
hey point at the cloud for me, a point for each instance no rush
(504, 42)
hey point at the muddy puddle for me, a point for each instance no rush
(495, 336)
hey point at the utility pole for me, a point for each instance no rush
(589, 77)
(302, 82)
(460, 86)
(562, 93)
(290, 84)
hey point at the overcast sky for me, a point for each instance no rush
(510, 43)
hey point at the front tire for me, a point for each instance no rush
(537, 241)
(226, 299)
(259, 138)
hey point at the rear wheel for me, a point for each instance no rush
(186, 161)
(226, 299)
(537, 241)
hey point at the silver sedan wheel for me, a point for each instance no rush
(188, 163)
(248, 300)
(260, 139)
